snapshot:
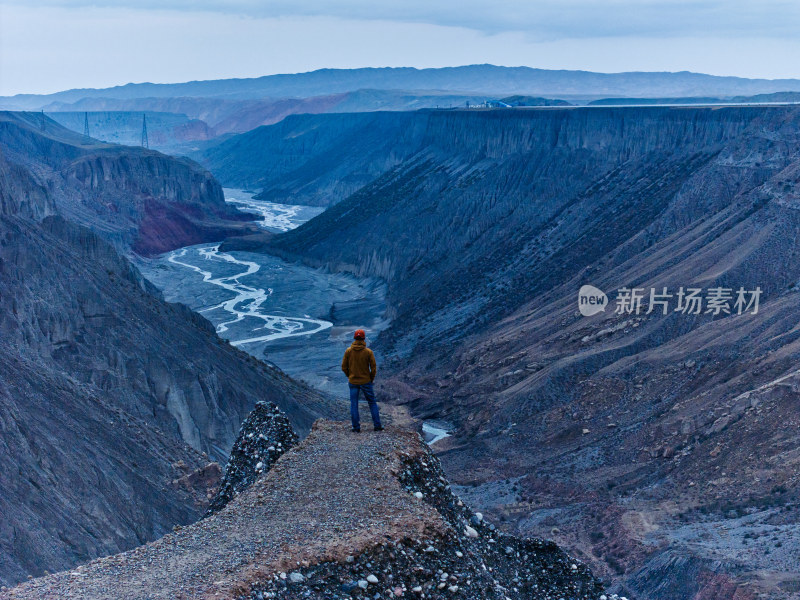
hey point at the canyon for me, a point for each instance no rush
(660, 448)
(115, 406)
(633, 437)
(296, 317)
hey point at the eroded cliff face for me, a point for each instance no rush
(85, 471)
(315, 160)
(322, 159)
(652, 430)
(113, 403)
(81, 477)
(491, 193)
(104, 388)
(134, 197)
(20, 194)
(157, 360)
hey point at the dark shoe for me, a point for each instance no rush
(356, 430)
(378, 428)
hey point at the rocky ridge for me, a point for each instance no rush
(339, 516)
(265, 435)
(473, 559)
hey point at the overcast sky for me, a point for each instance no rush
(47, 46)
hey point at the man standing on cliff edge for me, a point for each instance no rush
(359, 366)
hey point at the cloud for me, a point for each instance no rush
(51, 48)
(540, 19)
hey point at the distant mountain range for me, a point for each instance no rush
(183, 116)
(482, 79)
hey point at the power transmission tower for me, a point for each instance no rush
(145, 142)
(86, 138)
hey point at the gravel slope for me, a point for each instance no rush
(334, 497)
(328, 498)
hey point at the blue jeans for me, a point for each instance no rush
(369, 395)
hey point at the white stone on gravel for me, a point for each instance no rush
(372, 579)
(470, 532)
(296, 577)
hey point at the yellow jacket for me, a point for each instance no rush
(359, 363)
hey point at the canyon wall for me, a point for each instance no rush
(113, 403)
(134, 197)
(315, 160)
(634, 436)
